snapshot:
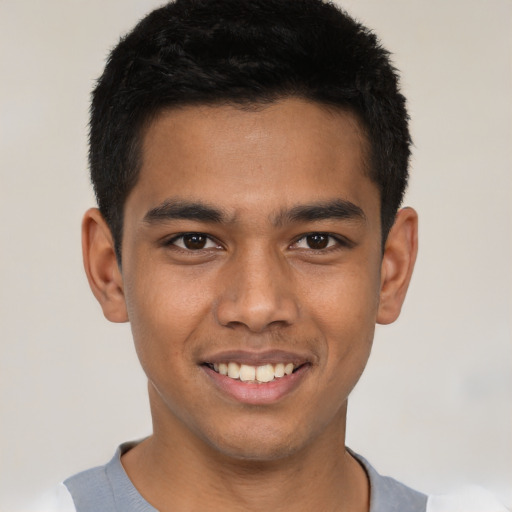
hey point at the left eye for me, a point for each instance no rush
(194, 242)
(316, 241)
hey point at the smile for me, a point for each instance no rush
(247, 373)
(257, 378)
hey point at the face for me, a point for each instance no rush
(252, 247)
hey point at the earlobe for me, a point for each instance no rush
(101, 266)
(397, 265)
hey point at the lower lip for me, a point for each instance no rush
(254, 393)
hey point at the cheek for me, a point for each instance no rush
(343, 298)
(344, 310)
(165, 308)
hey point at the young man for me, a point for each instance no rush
(249, 158)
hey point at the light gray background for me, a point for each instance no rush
(434, 408)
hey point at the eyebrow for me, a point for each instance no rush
(169, 210)
(336, 209)
(201, 212)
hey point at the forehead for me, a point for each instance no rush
(266, 158)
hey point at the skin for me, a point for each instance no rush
(257, 285)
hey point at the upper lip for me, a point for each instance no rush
(258, 358)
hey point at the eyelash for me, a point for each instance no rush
(209, 239)
(339, 242)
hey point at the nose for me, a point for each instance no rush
(257, 292)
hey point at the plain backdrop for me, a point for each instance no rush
(434, 408)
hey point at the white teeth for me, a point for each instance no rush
(279, 370)
(233, 370)
(248, 373)
(265, 373)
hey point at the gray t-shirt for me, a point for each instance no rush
(108, 489)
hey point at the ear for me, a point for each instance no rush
(397, 265)
(101, 267)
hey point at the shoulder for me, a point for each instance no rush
(57, 499)
(107, 488)
(91, 489)
(468, 499)
(389, 495)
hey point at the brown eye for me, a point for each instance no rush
(321, 242)
(195, 241)
(317, 241)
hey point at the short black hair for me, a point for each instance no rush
(242, 53)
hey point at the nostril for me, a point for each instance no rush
(258, 328)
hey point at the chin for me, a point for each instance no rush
(257, 444)
(257, 453)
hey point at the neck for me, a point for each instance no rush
(175, 470)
